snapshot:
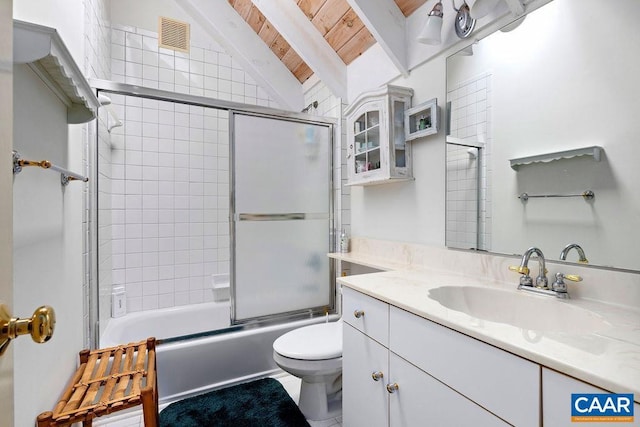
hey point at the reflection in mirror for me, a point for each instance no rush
(566, 78)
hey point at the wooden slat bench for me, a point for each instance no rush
(109, 380)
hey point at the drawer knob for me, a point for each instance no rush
(392, 388)
(358, 313)
(377, 376)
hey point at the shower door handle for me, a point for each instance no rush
(40, 326)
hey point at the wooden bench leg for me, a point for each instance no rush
(149, 407)
(44, 419)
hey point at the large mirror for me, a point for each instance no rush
(543, 144)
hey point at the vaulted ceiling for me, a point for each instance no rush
(335, 20)
(282, 43)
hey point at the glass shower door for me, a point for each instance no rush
(282, 217)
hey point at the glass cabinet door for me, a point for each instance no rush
(367, 142)
(398, 137)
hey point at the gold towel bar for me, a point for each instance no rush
(65, 175)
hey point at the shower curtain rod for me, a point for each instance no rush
(65, 175)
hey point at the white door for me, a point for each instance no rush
(6, 199)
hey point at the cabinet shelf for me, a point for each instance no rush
(42, 49)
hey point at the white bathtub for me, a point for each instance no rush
(193, 366)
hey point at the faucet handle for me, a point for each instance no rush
(560, 287)
(519, 269)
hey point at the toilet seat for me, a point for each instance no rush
(315, 342)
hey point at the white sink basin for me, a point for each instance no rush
(531, 312)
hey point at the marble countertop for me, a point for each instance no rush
(608, 357)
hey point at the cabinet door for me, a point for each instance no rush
(507, 385)
(421, 400)
(556, 399)
(365, 402)
(368, 142)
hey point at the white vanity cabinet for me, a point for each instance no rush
(377, 152)
(556, 399)
(425, 394)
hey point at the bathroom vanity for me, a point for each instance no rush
(411, 356)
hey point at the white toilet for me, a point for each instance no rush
(314, 354)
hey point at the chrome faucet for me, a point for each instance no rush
(582, 258)
(525, 279)
(558, 288)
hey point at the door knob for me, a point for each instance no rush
(40, 326)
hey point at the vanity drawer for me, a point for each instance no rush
(367, 314)
(504, 384)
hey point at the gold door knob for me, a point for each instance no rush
(392, 388)
(40, 326)
(358, 314)
(377, 376)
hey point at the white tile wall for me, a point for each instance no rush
(169, 202)
(170, 171)
(97, 64)
(204, 71)
(471, 122)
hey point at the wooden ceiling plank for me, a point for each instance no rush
(304, 38)
(292, 60)
(386, 22)
(329, 15)
(356, 46)
(311, 7)
(280, 46)
(243, 7)
(303, 72)
(409, 6)
(342, 32)
(221, 21)
(255, 19)
(268, 33)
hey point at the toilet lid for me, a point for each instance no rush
(315, 342)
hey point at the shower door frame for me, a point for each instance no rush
(230, 106)
(236, 216)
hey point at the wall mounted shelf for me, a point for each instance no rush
(421, 120)
(593, 151)
(42, 49)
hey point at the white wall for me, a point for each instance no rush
(65, 16)
(410, 211)
(6, 207)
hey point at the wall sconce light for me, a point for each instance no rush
(464, 24)
(430, 33)
(480, 8)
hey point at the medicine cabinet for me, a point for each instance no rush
(421, 120)
(377, 151)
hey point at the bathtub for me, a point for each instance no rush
(196, 365)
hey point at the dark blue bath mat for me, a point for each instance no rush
(261, 403)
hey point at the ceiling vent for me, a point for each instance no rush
(173, 34)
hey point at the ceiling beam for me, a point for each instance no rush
(516, 7)
(384, 19)
(220, 20)
(304, 38)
